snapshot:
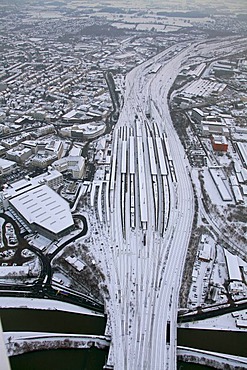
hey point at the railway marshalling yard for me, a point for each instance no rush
(145, 210)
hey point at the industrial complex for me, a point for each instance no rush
(123, 183)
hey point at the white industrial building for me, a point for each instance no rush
(233, 269)
(15, 272)
(236, 190)
(242, 151)
(218, 178)
(198, 115)
(6, 166)
(41, 208)
(203, 88)
(214, 127)
(205, 251)
(74, 165)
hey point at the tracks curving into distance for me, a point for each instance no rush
(150, 205)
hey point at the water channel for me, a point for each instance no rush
(22, 319)
(61, 359)
(53, 321)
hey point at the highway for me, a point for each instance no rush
(150, 203)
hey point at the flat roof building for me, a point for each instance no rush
(52, 178)
(19, 155)
(6, 166)
(42, 209)
(218, 178)
(214, 127)
(232, 266)
(74, 165)
(198, 115)
(219, 143)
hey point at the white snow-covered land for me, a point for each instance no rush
(44, 304)
(225, 322)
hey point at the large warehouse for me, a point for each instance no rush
(43, 210)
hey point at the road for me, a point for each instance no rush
(42, 286)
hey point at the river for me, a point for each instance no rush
(61, 359)
(56, 321)
(231, 342)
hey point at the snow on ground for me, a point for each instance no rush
(201, 277)
(149, 27)
(17, 342)
(224, 322)
(17, 335)
(62, 279)
(125, 25)
(224, 160)
(209, 276)
(43, 304)
(195, 179)
(219, 273)
(212, 190)
(215, 359)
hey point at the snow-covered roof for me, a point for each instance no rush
(233, 266)
(42, 206)
(13, 271)
(5, 163)
(76, 263)
(217, 176)
(70, 114)
(242, 147)
(75, 152)
(18, 185)
(48, 176)
(219, 139)
(205, 253)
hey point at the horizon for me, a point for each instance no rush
(224, 6)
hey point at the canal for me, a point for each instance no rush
(56, 321)
(231, 342)
(61, 359)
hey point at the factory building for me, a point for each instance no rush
(198, 115)
(232, 267)
(219, 143)
(214, 127)
(41, 208)
(242, 151)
